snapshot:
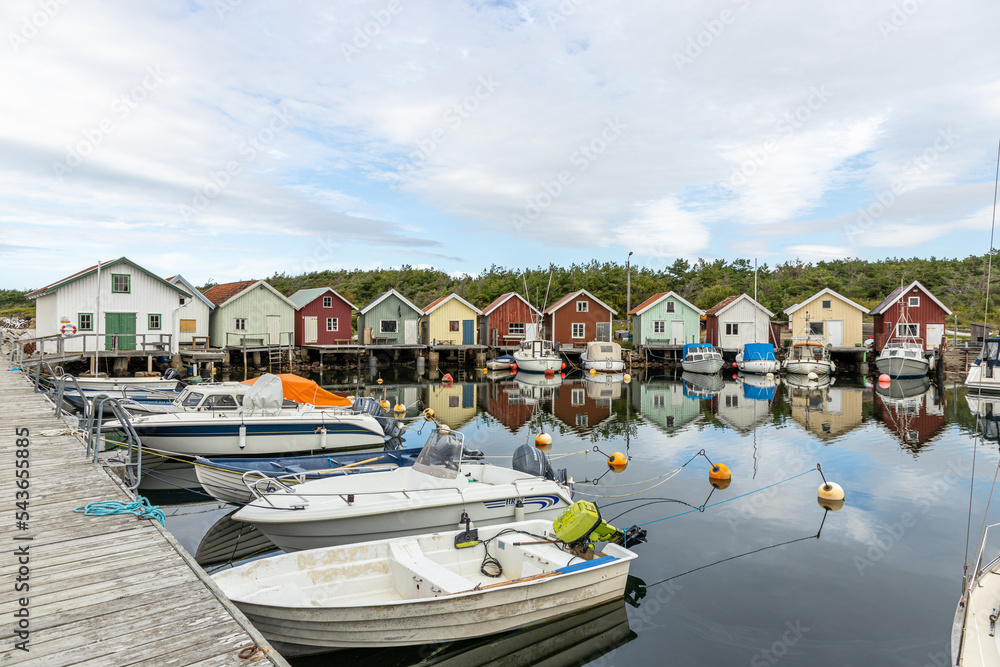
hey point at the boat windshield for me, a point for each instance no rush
(441, 455)
(191, 399)
(990, 352)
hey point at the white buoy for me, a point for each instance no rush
(830, 491)
(812, 376)
(770, 376)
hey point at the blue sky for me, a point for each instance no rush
(233, 139)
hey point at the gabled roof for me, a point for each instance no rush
(731, 301)
(306, 296)
(226, 292)
(437, 303)
(503, 298)
(191, 288)
(792, 309)
(49, 289)
(899, 291)
(656, 298)
(572, 295)
(383, 296)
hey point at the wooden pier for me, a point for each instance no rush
(97, 590)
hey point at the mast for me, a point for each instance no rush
(755, 299)
(97, 326)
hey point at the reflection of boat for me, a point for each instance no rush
(758, 387)
(808, 356)
(431, 495)
(910, 409)
(746, 402)
(603, 357)
(903, 387)
(604, 386)
(757, 358)
(529, 380)
(984, 372)
(700, 386)
(537, 356)
(503, 362)
(422, 589)
(799, 380)
(701, 358)
(229, 540)
(495, 376)
(987, 411)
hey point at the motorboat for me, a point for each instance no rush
(424, 589)
(903, 358)
(701, 358)
(808, 356)
(757, 358)
(431, 495)
(260, 427)
(984, 372)
(973, 634)
(230, 480)
(227, 541)
(169, 381)
(503, 362)
(537, 356)
(602, 357)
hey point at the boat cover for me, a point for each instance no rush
(303, 390)
(265, 396)
(758, 352)
(758, 393)
(990, 352)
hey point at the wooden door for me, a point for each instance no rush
(274, 329)
(310, 332)
(119, 323)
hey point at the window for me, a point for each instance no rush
(908, 329)
(192, 400)
(670, 306)
(453, 325)
(732, 401)
(328, 302)
(577, 397)
(154, 322)
(659, 401)
(659, 326)
(453, 401)
(582, 306)
(732, 329)
(85, 322)
(914, 302)
(241, 324)
(579, 330)
(331, 324)
(387, 326)
(121, 283)
(816, 328)
(515, 328)
(220, 402)
(827, 303)
(670, 421)
(581, 420)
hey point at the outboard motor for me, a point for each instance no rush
(532, 461)
(171, 374)
(391, 427)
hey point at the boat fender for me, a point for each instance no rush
(562, 367)
(549, 372)
(322, 437)
(385, 405)
(243, 436)
(812, 375)
(519, 510)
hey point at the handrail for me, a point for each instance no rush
(133, 442)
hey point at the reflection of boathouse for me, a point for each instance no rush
(912, 409)
(505, 402)
(743, 404)
(578, 410)
(825, 411)
(454, 405)
(663, 404)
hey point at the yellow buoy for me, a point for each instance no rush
(379, 381)
(429, 414)
(617, 461)
(720, 471)
(831, 505)
(593, 372)
(484, 370)
(385, 405)
(543, 440)
(627, 378)
(720, 483)
(399, 407)
(830, 491)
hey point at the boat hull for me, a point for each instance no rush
(758, 366)
(975, 380)
(807, 367)
(708, 366)
(902, 367)
(604, 365)
(528, 364)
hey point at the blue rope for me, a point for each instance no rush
(141, 508)
(748, 493)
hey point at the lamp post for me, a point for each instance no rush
(628, 291)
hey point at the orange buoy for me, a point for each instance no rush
(447, 378)
(562, 376)
(720, 471)
(543, 441)
(593, 372)
(549, 372)
(617, 461)
(720, 483)
(563, 367)
(384, 404)
(399, 408)
(884, 378)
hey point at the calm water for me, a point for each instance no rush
(752, 581)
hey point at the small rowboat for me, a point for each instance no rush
(423, 589)
(503, 362)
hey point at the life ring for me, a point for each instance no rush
(68, 329)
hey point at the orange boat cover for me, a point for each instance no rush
(302, 390)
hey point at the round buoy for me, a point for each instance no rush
(563, 367)
(617, 462)
(399, 408)
(447, 378)
(736, 364)
(485, 370)
(549, 372)
(562, 376)
(513, 367)
(720, 471)
(543, 441)
(429, 414)
(884, 378)
(812, 375)
(830, 491)
(385, 405)
(720, 483)
(627, 378)
(378, 381)
(831, 505)
(593, 372)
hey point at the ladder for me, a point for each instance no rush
(461, 357)
(274, 357)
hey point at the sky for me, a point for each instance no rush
(235, 139)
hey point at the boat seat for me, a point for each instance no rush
(409, 556)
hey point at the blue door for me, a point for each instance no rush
(468, 332)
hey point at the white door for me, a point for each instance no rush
(530, 331)
(677, 332)
(310, 333)
(835, 333)
(409, 332)
(274, 329)
(935, 332)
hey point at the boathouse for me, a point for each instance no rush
(389, 319)
(576, 319)
(451, 321)
(115, 306)
(910, 311)
(736, 321)
(508, 320)
(829, 315)
(665, 320)
(193, 318)
(250, 313)
(323, 317)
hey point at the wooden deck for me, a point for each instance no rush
(103, 590)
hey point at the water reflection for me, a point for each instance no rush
(826, 411)
(574, 405)
(986, 409)
(912, 409)
(665, 404)
(743, 404)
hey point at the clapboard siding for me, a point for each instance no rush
(254, 305)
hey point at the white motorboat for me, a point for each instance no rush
(261, 427)
(537, 356)
(757, 358)
(974, 640)
(701, 358)
(501, 363)
(808, 356)
(423, 589)
(603, 357)
(984, 372)
(169, 381)
(903, 358)
(431, 495)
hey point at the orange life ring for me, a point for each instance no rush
(68, 328)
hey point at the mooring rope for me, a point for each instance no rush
(140, 507)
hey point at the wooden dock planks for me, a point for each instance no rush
(104, 591)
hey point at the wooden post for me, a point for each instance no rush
(149, 364)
